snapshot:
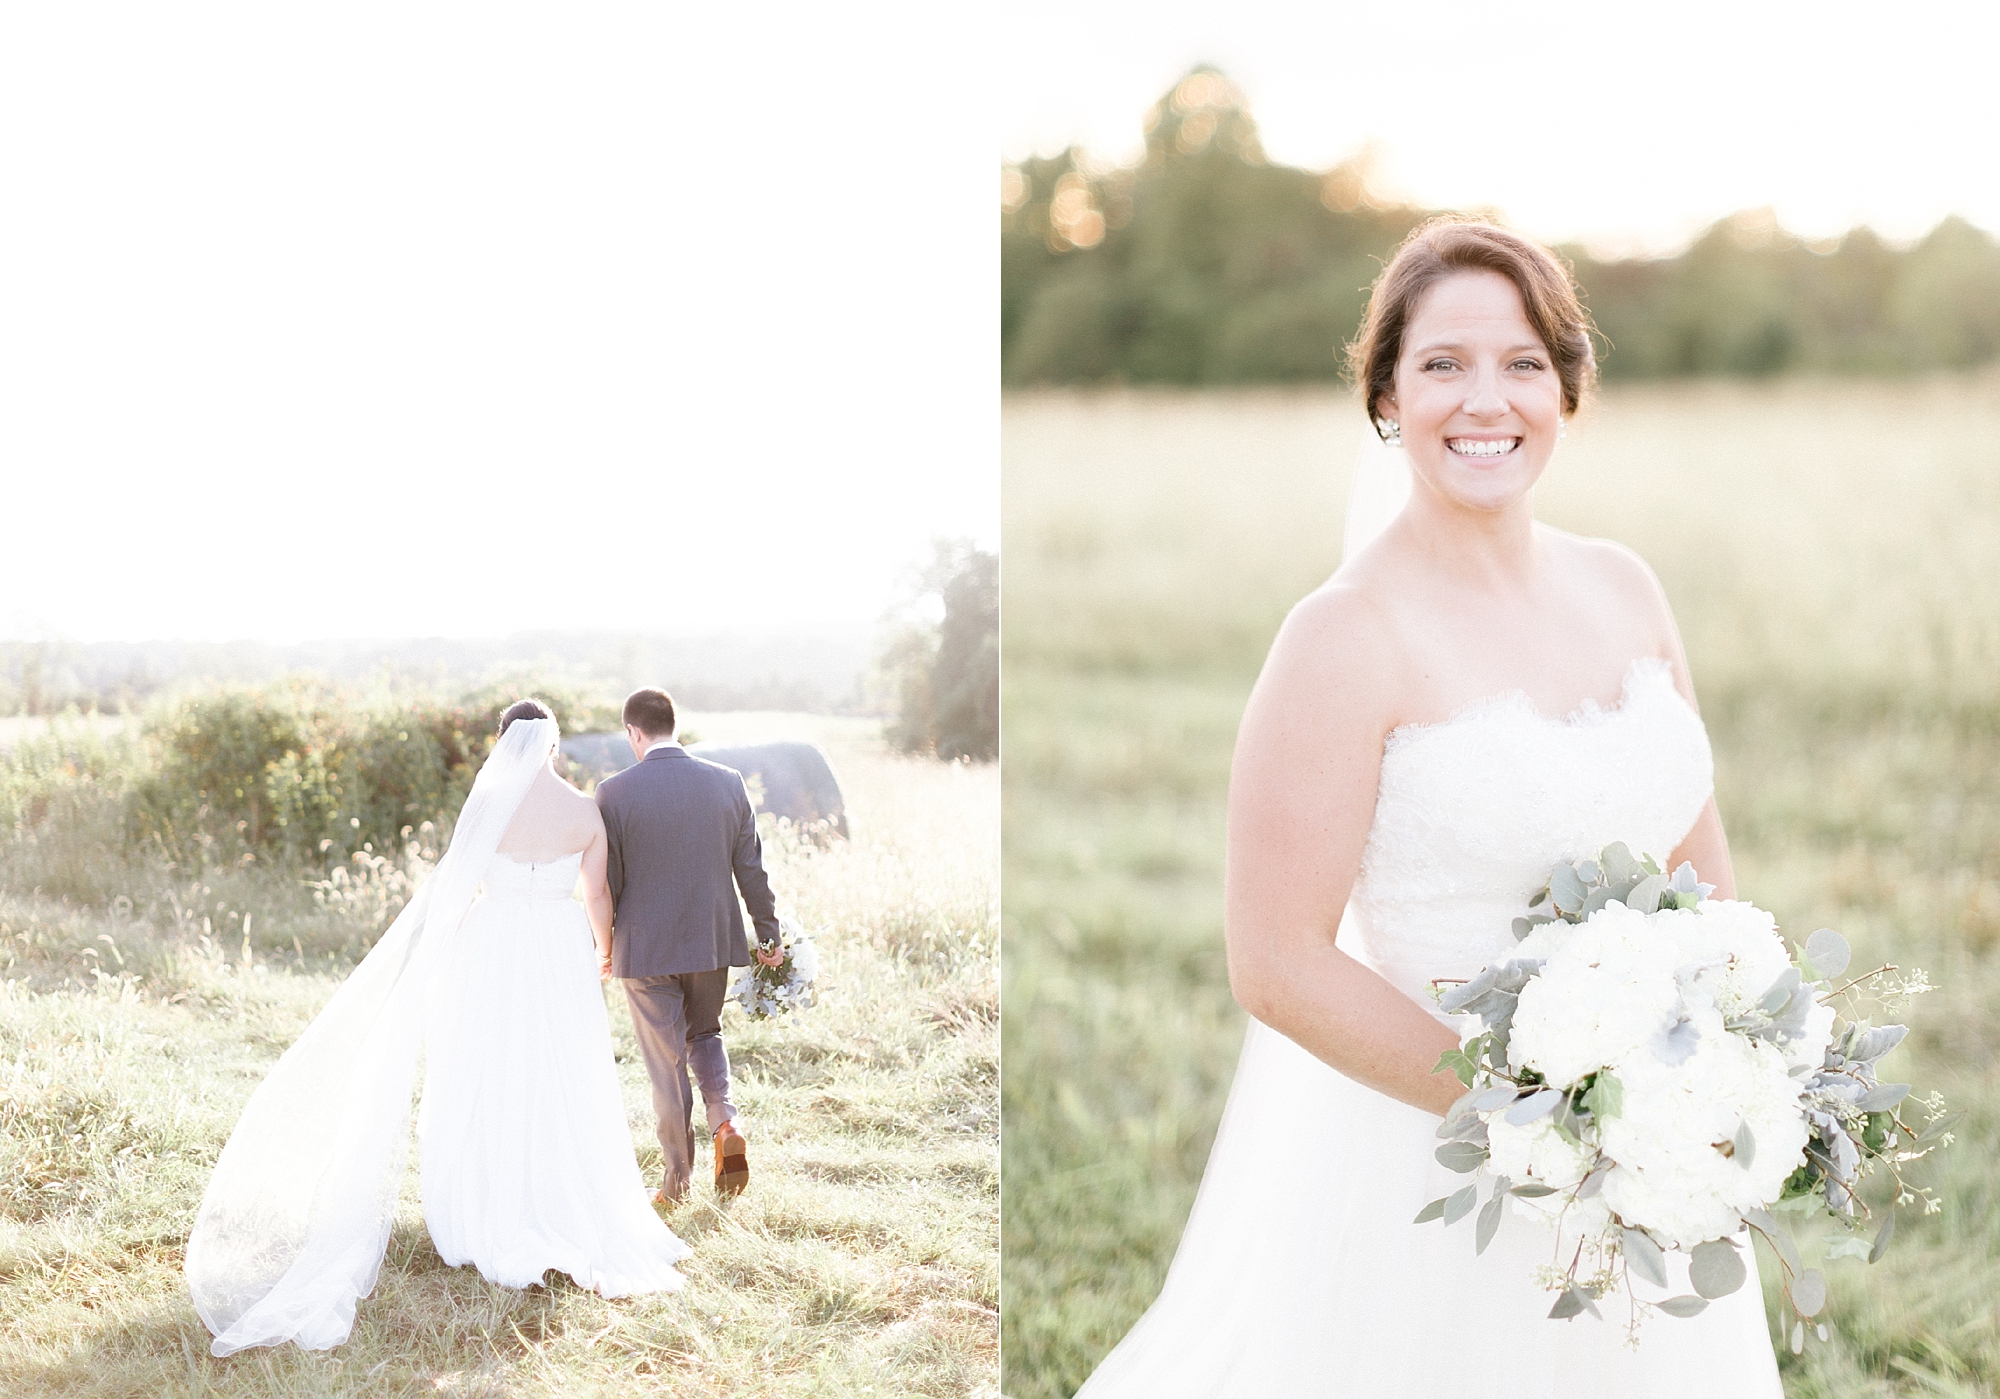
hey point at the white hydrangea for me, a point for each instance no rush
(1602, 994)
(1539, 1153)
(1645, 998)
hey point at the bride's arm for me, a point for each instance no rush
(597, 901)
(1705, 846)
(1301, 800)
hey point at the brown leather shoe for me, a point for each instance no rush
(732, 1166)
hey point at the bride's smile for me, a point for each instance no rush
(1477, 398)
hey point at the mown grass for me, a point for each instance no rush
(1833, 554)
(863, 1259)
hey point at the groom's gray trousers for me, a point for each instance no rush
(678, 1021)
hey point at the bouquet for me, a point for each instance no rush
(1655, 1070)
(778, 981)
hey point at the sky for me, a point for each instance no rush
(382, 320)
(1629, 126)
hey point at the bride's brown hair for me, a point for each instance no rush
(1452, 243)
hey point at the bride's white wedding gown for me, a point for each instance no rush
(1300, 1272)
(525, 1154)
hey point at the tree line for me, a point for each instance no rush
(1206, 263)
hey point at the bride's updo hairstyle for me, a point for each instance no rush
(524, 709)
(1452, 243)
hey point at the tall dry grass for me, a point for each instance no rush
(863, 1259)
(1833, 554)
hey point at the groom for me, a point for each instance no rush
(682, 842)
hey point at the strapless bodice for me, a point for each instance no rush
(508, 878)
(1473, 812)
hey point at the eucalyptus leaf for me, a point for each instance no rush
(1522, 927)
(1887, 1233)
(1646, 894)
(1846, 1246)
(1809, 1292)
(1533, 1107)
(1570, 1304)
(1778, 1239)
(1684, 1306)
(1460, 1204)
(1566, 889)
(1829, 952)
(1618, 862)
(1940, 1127)
(1589, 872)
(1461, 1156)
(1821, 1331)
(1594, 900)
(1798, 1337)
(1489, 1224)
(1715, 1269)
(1434, 1210)
(1883, 1096)
(1532, 1190)
(1746, 1146)
(1495, 1098)
(1645, 1257)
(1593, 1182)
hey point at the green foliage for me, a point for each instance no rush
(1206, 264)
(946, 676)
(295, 772)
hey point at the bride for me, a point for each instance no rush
(1472, 697)
(526, 1160)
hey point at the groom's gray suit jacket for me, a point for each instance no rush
(683, 840)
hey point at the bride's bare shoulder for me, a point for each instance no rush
(1338, 648)
(1616, 572)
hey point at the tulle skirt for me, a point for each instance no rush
(1300, 1273)
(526, 1156)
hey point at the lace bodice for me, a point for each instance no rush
(1473, 812)
(508, 878)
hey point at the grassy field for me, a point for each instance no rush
(1833, 553)
(862, 1261)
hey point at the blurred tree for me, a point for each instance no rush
(1206, 264)
(941, 659)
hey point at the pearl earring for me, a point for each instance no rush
(1391, 431)
(1562, 429)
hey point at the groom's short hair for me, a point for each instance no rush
(651, 712)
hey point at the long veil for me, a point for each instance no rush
(296, 1218)
(1376, 494)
